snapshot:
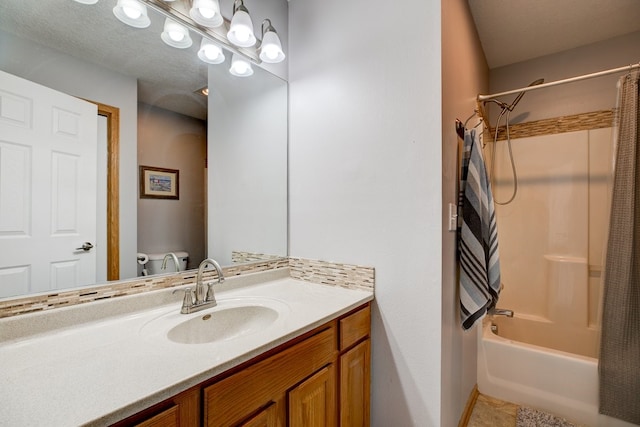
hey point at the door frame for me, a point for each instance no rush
(112, 114)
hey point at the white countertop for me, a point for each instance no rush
(100, 371)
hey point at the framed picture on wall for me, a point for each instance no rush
(159, 183)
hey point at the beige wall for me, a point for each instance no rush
(464, 75)
(174, 141)
(580, 97)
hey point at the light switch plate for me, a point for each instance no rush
(453, 217)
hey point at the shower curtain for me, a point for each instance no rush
(619, 364)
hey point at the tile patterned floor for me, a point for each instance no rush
(490, 412)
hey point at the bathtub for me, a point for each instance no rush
(555, 381)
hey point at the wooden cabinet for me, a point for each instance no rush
(320, 379)
(355, 371)
(355, 385)
(313, 402)
(230, 401)
(181, 410)
(267, 417)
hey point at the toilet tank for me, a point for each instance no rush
(155, 262)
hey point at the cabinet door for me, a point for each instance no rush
(268, 417)
(313, 402)
(235, 398)
(354, 386)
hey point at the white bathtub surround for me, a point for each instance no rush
(554, 381)
(551, 241)
(95, 363)
(567, 296)
(552, 235)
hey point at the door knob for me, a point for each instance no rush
(86, 246)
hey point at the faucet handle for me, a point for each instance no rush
(187, 302)
(210, 295)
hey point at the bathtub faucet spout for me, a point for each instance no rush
(501, 312)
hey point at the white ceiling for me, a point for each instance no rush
(167, 77)
(510, 31)
(518, 30)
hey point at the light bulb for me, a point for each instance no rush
(211, 52)
(271, 48)
(241, 29)
(271, 52)
(207, 12)
(131, 12)
(241, 67)
(176, 36)
(242, 34)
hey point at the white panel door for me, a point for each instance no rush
(48, 163)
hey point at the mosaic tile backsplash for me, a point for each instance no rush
(576, 122)
(345, 275)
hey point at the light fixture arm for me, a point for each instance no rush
(167, 11)
(239, 5)
(269, 27)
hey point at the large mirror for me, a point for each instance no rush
(225, 153)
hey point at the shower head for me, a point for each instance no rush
(521, 94)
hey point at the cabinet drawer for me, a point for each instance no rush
(168, 418)
(232, 399)
(354, 327)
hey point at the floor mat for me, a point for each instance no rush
(528, 417)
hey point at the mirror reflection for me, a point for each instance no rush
(225, 154)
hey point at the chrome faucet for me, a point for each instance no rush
(175, 261)
(205, 294)
(202, 297)
(501, 312)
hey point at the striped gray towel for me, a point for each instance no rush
(478, 237)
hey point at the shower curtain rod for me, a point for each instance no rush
(560, 82)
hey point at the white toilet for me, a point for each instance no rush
(155, 262)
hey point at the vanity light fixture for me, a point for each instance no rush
(176, 35)
(132, 13)
(240, 67)
(210, 52)
(241, 28)
(270, 48)
(87, 1)
(203, 15)
(206, 13)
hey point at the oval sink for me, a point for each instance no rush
(231, 318)
(223, 324)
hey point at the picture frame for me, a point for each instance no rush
(159, 183)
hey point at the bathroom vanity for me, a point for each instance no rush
(318, 379)
(275, 351)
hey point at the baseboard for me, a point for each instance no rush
(468, 409)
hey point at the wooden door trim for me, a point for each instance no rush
(113, 188)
